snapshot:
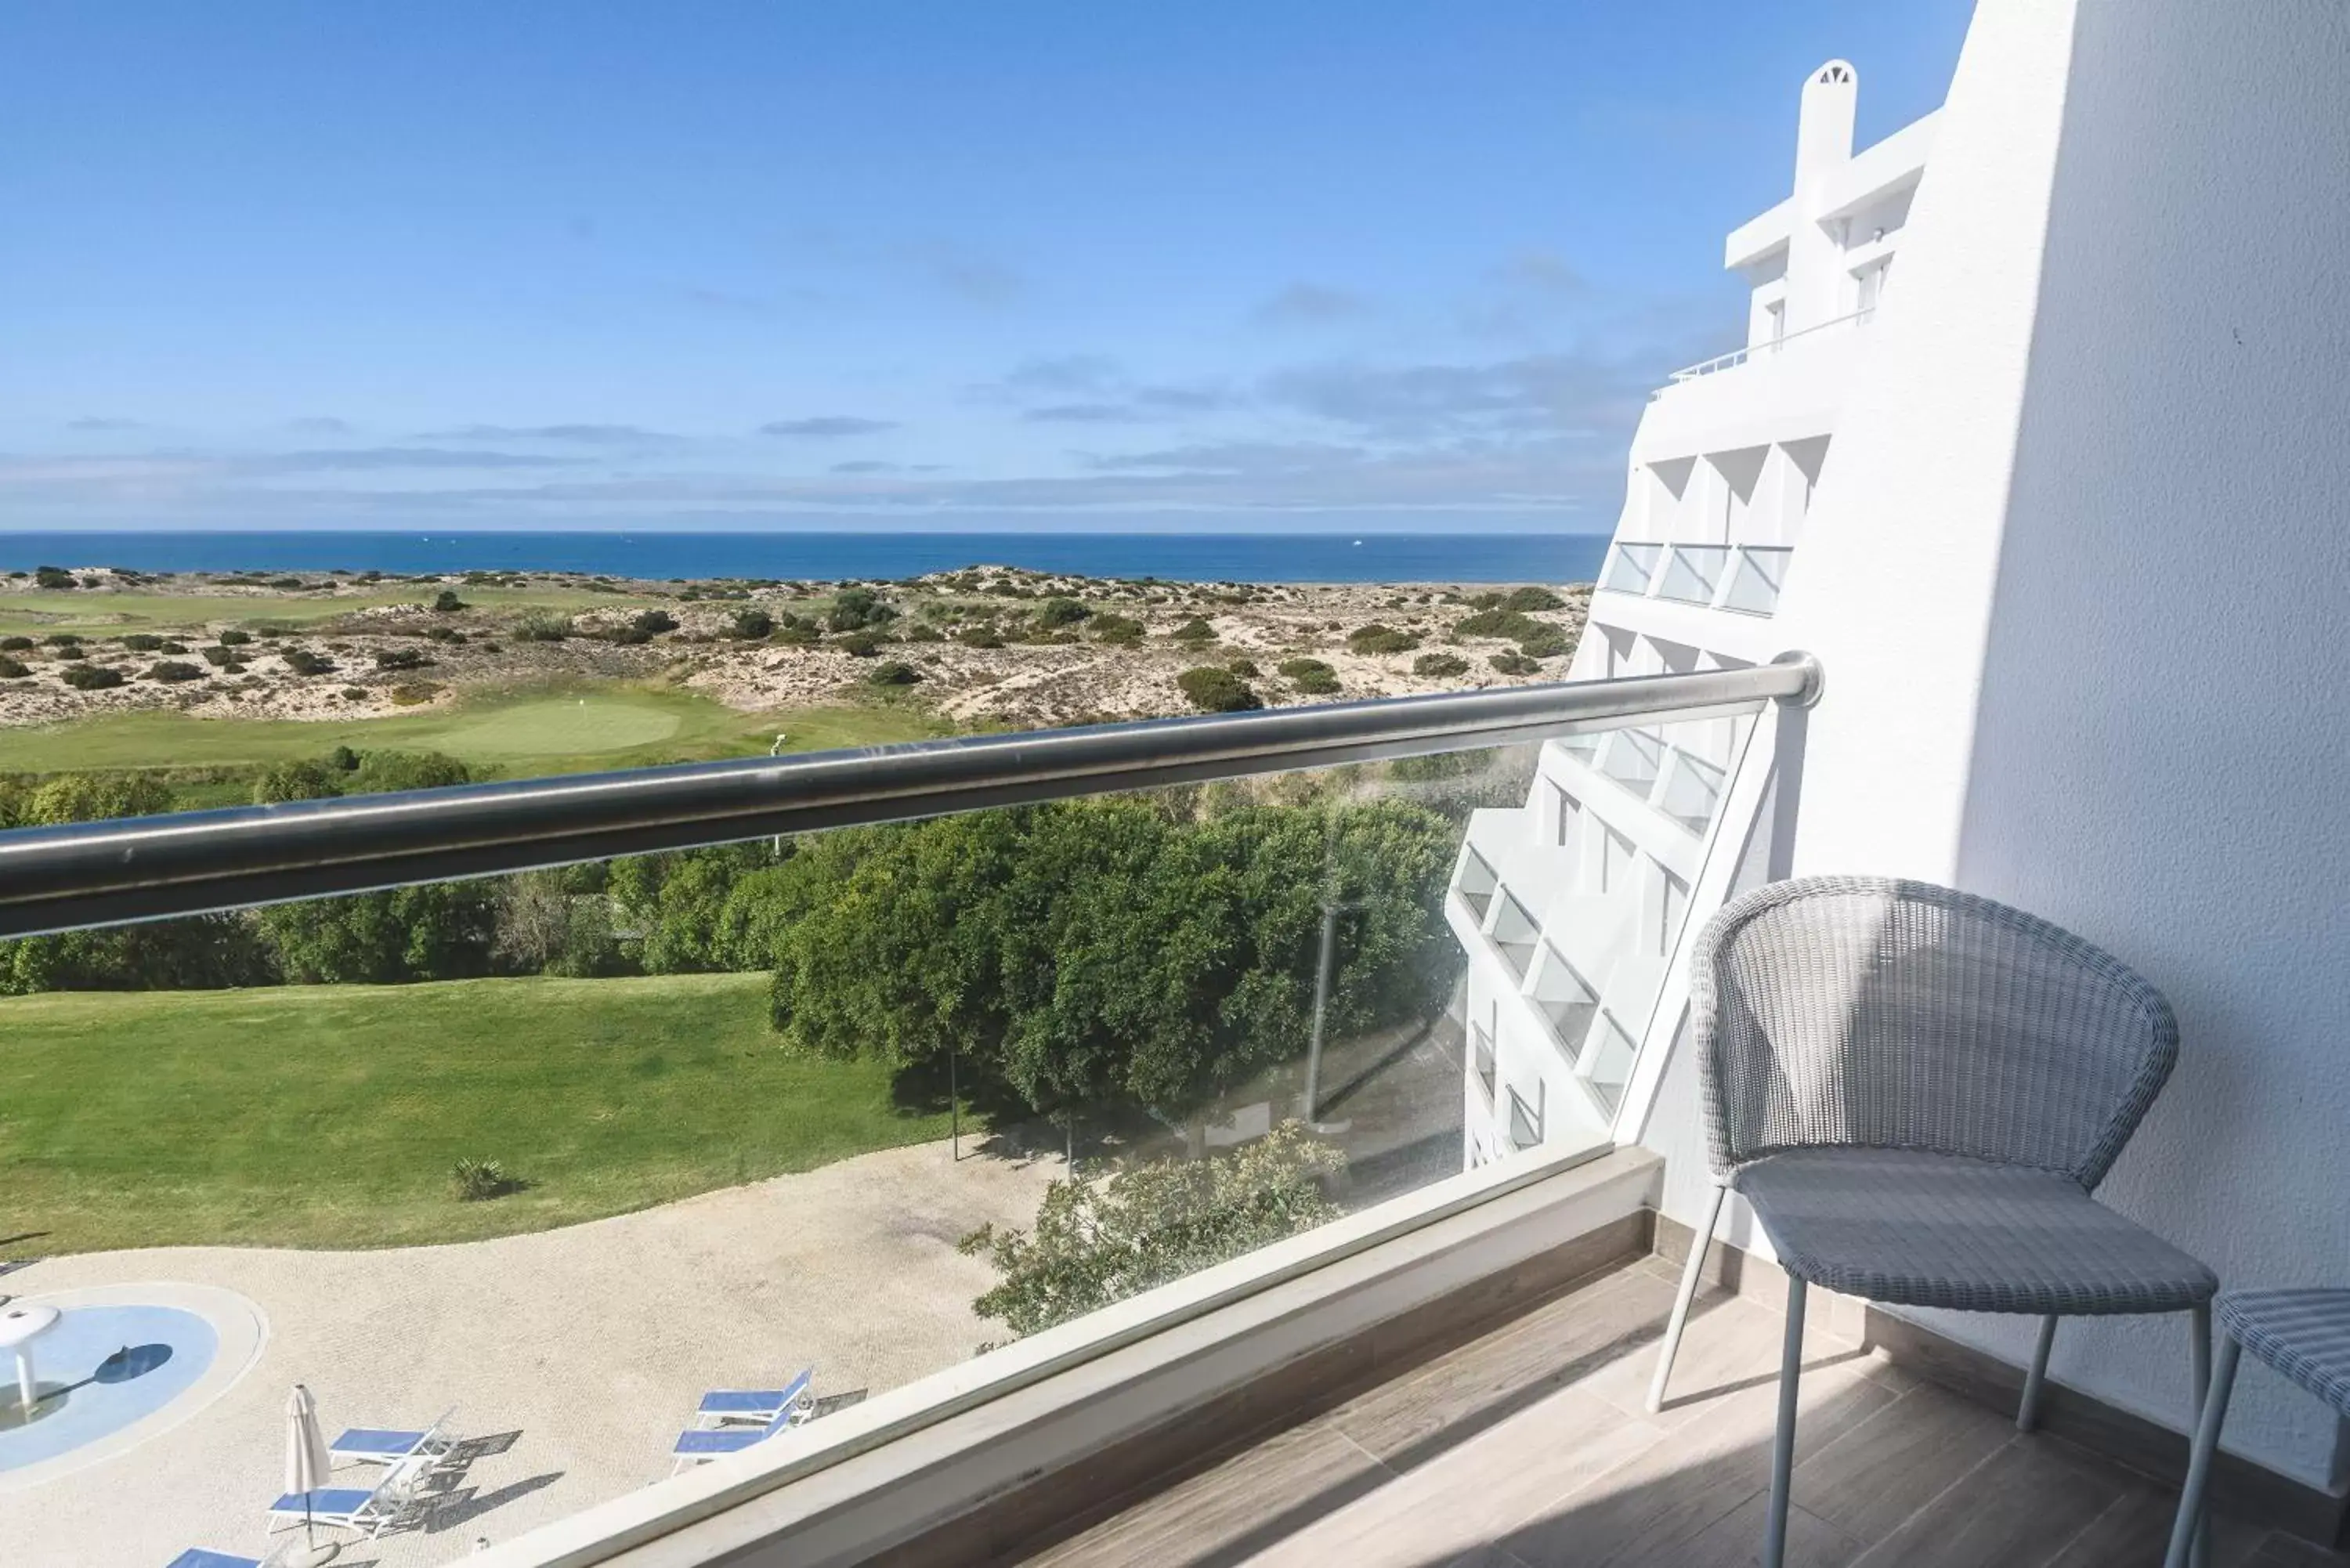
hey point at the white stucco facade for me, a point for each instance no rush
(2075, 571)
(1573, 908)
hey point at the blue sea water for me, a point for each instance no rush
(1194, 558)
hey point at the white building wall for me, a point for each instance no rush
(2077, 573)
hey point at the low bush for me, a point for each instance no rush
(1512, 625)
(234, 638)
(979, 637)
(400, 659)
(15, 644)
(1376, 637)
(13, 669)
(1244, 668)
(171, 672)
(172, 645)
(543, 628)
(1513, 664)
(1548, 643)
(446, 602)
(854, 609)
(1533, 599)
(923, 631)
(478, 1181)
(858, 644)
(894, 672)
(302, 662)
(1121, 630)
(1440, 666)
(142, 642)
(1196, 631)
(410, 693)
(62, 640)
(752, 626)
(653, 622)
(53, 578)
(1214, 690)
(1310, 676)
(91, 678)
(72, 650)
(1058, 611)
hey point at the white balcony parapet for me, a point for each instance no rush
(1745, 579)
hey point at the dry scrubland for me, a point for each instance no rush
(984, 648)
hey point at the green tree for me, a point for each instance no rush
(441, 930)
(1100, 1239)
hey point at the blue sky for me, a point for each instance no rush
(1239, 265)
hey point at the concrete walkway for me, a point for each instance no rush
(573, 1357)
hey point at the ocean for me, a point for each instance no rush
(1195, 557)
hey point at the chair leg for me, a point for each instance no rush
(2027, 1413)
(1783, 1445)
(1692, 1273)
(2191, 1529)
(2199, 1351)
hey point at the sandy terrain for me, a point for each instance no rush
(574, 1357)
(940, 627)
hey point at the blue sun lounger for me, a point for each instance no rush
(388, 1446)
(757, 1407)
(197, 1557)
(371, 1511)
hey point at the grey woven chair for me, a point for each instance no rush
(1916, 1091)
(2304, 1334)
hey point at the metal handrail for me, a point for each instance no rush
(144, 869)
(1738, 357)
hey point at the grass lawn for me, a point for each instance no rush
(517, 733)
(104, 614)
(329, 1116)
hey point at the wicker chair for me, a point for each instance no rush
(2304, 1334)
(1916, 1091)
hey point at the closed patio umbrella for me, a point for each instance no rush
(307, 1465)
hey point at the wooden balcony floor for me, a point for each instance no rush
(1530, 1447)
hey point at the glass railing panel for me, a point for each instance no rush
(1630, 567)
(1613, 1054)
(1633, 758)
(612, 1153)
(1515, 933)
(1692, 791)
(1756, 579)
(1693, 573)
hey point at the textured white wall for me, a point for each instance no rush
(2079, 571)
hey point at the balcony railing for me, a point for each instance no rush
(1743, 578)
(1738, 357)
(1325, 1075)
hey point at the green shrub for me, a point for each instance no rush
(62, 640)
(858, 644)
(400, 659)
(91, 678)
(477, 1180)
(753, 625)
(1440, 666)
(13, 669)
(171, 672)
(53, 578)
(1214, 690)
(1548, 643)
(653, 622)
(923, 631)
(1196, 631)
(1310, 676)
(302, 662)
(15, 644)
(1513, 664)
(142, 642)
(794, 632)
(1058, 611)
(1377, 638)
(234, 638)
(1122, 630)
(543, 628)
(172, 645)
(1244, 668)
(409, 694)
(894, 672)
(979, 637)
(72, 650)
(446, 602)
(1533, 599)
(854, 609)
(1509, 623)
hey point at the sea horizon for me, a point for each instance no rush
(1369, 557)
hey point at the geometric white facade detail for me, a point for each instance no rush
(1572, 906)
